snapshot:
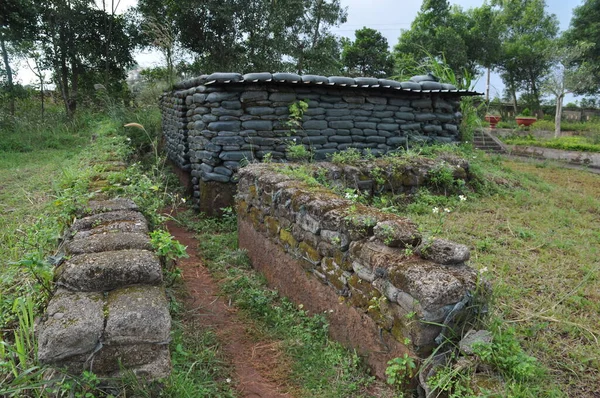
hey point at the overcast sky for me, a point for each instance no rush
(391, 16)
(387, 16)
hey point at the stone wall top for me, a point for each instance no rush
(417, 84)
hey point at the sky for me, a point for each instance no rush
(387, 16)
(391, 16)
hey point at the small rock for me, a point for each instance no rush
(472, 337)
(444, 252)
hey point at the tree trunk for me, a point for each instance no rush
(487, 86)
(11, 96)
(318, 24)
(300, 64)
(41, 77)
(74, 88)
(169, 59)
(64, 85)
(558, 117)
(513, 92)
(108, 21)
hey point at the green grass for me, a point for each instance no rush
(539, 244)
(39, 192)
(567, 143)
(319, 367)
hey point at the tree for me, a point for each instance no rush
(528, 32)
(73, 37)
(16, 26)
(312, 46)
(368, 55)
(464, 40)
(482, 30)
(281, 35)
(432, 34)
(566, 76)
(585, 28)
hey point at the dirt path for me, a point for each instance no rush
(256, 363)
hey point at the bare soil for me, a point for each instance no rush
(260, 367)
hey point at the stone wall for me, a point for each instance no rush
(212, 123)
(388, 290)
(110, 311)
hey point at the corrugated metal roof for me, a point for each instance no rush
(417, 84)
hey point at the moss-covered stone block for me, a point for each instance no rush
(241, 206)
(381, 312)
(267, 198)
(272, 226)
(361, 292)
(335, 275)
(287, 239)
(309, 252)
(256, 217)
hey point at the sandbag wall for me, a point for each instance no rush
(233, 118)
(110, 311)
(386, 291)
(175, 125)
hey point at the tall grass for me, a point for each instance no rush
(465, 81)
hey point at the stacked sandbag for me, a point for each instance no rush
(109, 312)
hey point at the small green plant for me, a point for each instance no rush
(166, 246)
(442, 178)
(298, 152)
(525, 112)
(388, 234)
(377, 173)
(441, 215)
(267, 158)
(507, 355)
(375, 303)
(400, 372)
(42, 271)
(348, 156)
(296, 111)
(454, 381)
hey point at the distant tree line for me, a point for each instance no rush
(86, 45)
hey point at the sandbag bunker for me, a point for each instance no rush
(385, 289)
(109, 312)
(214, 123)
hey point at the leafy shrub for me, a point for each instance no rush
(543, 125)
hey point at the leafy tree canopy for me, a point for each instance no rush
(368, 55)
(236, 35)
(585, 28)
(528, 31)
(463, 39)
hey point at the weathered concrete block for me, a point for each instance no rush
(282, 97)
(96, 220)
(97, 272)
(137, 315)
(114, 227)
(72, 326)
(444, 252)
(388, 126)
(397, 233)
(148, 361)
(109, 242)
(341, 124)
(104, 206)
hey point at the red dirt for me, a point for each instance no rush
(260, 370)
